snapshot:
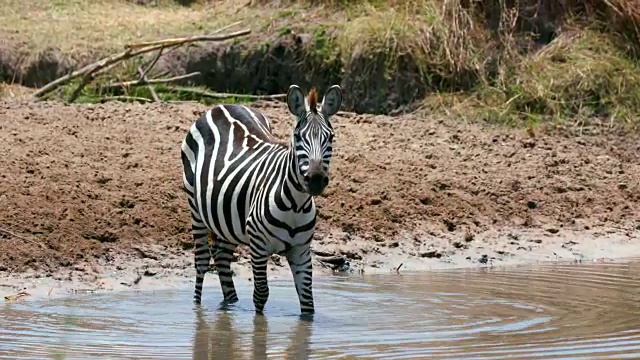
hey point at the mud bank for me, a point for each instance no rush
(94, 191)
(156, 267)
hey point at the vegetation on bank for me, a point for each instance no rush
(505, 61)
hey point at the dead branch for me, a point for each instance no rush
(10, 233)
(177, 41)
(215, 95)
(143, 77)
(149, 81)
(86, 79)
(185, 40)
(124, 98)
(152, 63)
(129, 53)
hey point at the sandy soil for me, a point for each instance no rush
(90, 195)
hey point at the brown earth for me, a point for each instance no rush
(86, 186)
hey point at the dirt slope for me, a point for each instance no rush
(89, 183)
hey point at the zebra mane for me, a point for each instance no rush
(313, 100)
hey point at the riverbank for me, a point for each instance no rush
(90, 195)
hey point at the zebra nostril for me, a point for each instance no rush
(325, 181)
(307, 179)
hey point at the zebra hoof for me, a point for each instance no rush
(306, 316)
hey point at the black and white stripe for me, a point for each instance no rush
(245, 188)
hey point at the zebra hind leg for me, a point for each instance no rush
(299, 258)
(222, 259)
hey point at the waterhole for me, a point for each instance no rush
(588, 311)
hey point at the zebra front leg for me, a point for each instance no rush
(202, 255)
(299, 258)
(222, 260)
(259, 258)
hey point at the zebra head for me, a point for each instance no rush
(313, 135)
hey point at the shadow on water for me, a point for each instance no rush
(544, 312)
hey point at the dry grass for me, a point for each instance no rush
(14, 91)
(581, 75)
(81, 26)
(440, 37)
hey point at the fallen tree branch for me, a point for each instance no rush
(215, 95)
(143, 77)
(152, 63)
(124, 98)
(86, 79)
(177, 41)
(185, 40)
(129, 53)
(149, 81)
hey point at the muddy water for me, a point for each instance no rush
(555, 311)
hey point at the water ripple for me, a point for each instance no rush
(554, 311)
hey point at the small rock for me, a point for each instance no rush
(450, 225)
(469, 237)
(484, 258)
(553, 230)
(431, 254)
(459, 245)
(532, 204)
(375, 201)
(150, 272)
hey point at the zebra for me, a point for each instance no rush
(245, 188)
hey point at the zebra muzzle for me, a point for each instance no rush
(316, 182)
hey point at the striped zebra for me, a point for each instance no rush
(245, 188)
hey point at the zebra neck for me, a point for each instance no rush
(292, 190)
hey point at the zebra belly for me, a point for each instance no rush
(223, 217)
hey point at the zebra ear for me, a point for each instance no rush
(296, 101)
(332, 101)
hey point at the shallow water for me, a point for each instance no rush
(554, 311)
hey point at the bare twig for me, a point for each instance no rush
(215, 95)
(129, 53)
(398, 268)
(124, 98)
(152, 63)
(143, 77)
(10, 233)
(164, 42)
(86, 79)
(149, 81)
(190, 39)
